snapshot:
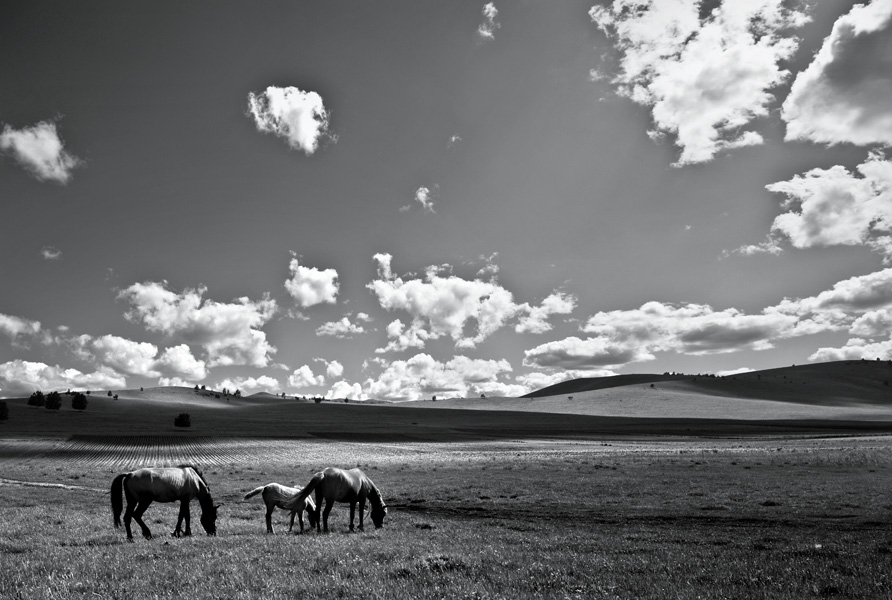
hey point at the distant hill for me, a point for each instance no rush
(828, 384)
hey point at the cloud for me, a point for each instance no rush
(575, 353)
(16, 326)
(443, 306)
(342, 329)
(425, 197)
(536, 318)
(447, 305)
(22, 377)
(843, 95)
(454, 140)
(333, 369)
(344, 389)
(138, 358)
(298, 117)
(228, 332)
(304, 378)
(40, 150)
(421, 376)
(250, 385)
(831, 207)
(732, 372)
(310, 286)
(705, 79)
(50, 253)
(178, 361)
(487, 29)
(855, 349)
(856, 295)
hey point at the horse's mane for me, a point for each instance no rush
(374, 493)
(197, 470)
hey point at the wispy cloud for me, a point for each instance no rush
(50, 253)
(40, 150)
(487, 29)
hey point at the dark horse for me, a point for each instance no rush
(337, 485)
(164, 484)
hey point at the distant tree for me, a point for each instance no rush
(54, 401)
(202, 387)
(141, 390)
(182, 420)
(317, 399)
(109, 394)
(483, 395)
(238, 393)
(434, 399)
(79, 401)
(4, 410)
(88, 392)
(196, 387)
(115, 396)
(37, 399)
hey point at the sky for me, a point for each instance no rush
(406, 199)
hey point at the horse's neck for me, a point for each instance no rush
(204, 496)
(374, 495)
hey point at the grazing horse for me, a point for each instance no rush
(281, 496)
(337, 485)
(164, 484)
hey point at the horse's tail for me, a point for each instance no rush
(254, 492)
(308, 489)
(117, 497)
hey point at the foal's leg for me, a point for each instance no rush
(269, 517)
(137, 516)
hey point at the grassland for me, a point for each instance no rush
(490, 503)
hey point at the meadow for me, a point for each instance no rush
(742, 488)
(746, 518)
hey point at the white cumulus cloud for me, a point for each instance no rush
(705, 79)
(228, 332)
(298, 117)
(40, 150)
(304, 378)
(829, 207)
(342, 329)
(844, 94)
(250, 385)
(421, 376)
(22, 377)
(310, 286)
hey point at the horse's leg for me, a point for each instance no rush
(128, 515)
(269, 518)
(328, 504)
(353, 514)
(318, 511)
(178, 530)
(361, 512)
(300, 518)
(188, 518)
(137, 516)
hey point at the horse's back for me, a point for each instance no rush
(344, 485)
(164, 484)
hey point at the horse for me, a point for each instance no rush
(281, 496)
(163, 484)
(337, 485)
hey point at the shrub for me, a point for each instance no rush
(183, 420)
(37, 399)
(4, 410)
(54, 401)
(109, 394)
(317, 400)
(79, 401)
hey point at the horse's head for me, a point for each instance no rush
(378, 514)
(209, 519)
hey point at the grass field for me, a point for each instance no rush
(558, 519)
(690, 489)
